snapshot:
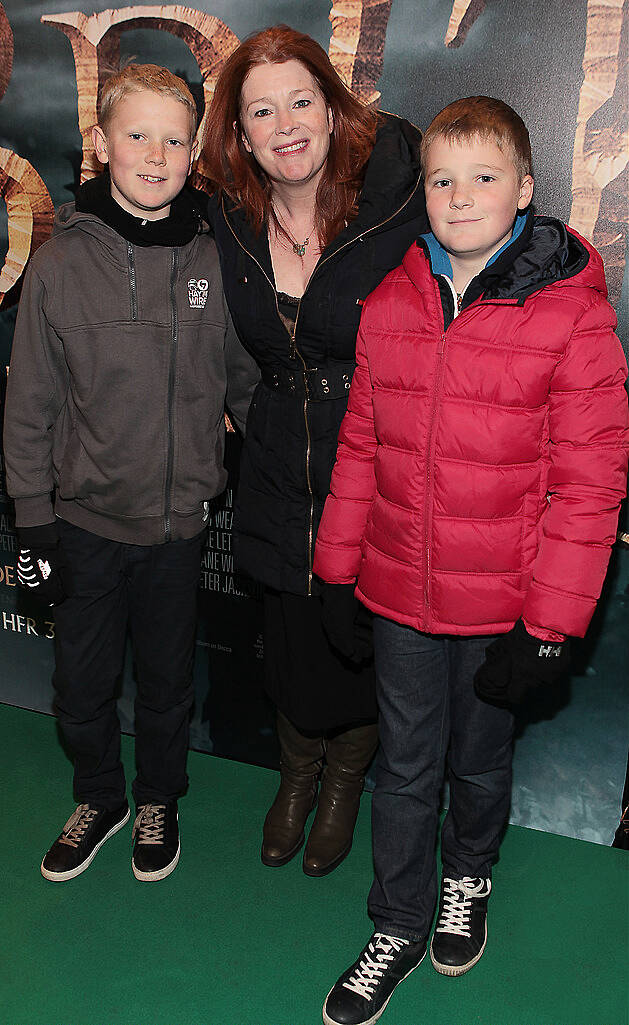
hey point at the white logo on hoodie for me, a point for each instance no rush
(197, 293)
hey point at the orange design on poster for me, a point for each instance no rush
(29, 206)
(95, 42)
(600, 182)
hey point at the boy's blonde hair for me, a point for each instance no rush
(135, 77)
(485, 118)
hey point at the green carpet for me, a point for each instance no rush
(226, 941)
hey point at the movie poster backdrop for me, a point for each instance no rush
(563, 66)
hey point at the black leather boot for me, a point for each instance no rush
(301, 760)
(348, 756)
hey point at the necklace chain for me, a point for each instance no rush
(299, 248)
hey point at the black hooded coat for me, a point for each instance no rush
(296, 412)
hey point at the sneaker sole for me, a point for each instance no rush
(160, 873)
(370, 1021)
(62, 877)
(454, 970)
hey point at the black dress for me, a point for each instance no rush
(313, 686)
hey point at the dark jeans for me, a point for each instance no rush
(431, 722)
(152, 592)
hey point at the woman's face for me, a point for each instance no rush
(285, 122)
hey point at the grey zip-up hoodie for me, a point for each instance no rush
(123, 360)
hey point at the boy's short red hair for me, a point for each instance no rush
(485, 118)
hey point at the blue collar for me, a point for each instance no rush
(440, 261)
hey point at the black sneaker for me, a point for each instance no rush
(461, 931)
(364, 990)
(81, 839)
(155, 841)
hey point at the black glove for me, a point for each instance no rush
(41, 565)
(346, 622)
(516, 663)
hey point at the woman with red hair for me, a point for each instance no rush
(316, 200)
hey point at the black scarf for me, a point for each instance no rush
(180, 227)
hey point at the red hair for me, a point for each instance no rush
(236, 172)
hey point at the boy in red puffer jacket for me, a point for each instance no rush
(473, 505)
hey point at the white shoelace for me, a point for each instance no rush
(150, 823)
(379, 954)
(76, 826)
(457, 903)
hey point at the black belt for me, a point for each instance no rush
(316, 383)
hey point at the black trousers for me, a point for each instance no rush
(150, 591)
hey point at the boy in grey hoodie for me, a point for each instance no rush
(123, 360)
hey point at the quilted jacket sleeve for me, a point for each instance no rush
(353, 486)
(587, 477)
(36, 393)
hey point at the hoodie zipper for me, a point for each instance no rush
(133, 288)
(174, 339)
(294, 351)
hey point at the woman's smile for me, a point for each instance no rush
(285, 123)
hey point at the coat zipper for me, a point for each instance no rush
(458, 302)
(441, 348)
(429, 465)
(174, 339)
(133, 288)
(294, 351)
(457, 296)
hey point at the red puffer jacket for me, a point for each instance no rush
(481, 466)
